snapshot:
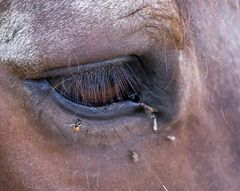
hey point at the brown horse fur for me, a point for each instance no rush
(203, 154)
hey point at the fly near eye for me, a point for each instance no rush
(98, 86)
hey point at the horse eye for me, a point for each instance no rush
(100, 84)
(107, 95)
(112, 88)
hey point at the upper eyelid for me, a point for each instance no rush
(77, 69)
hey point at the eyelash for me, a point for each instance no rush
(92, 90)
(99, 86)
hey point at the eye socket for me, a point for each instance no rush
(113, 88)
(100, 84)
(105, 94)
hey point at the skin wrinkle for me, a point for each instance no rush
(205, 157)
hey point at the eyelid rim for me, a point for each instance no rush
(78, 69)
(113, 110)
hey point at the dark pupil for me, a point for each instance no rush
(98, 87)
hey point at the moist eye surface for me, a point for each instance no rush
(99, 85)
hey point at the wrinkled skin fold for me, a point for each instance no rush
(193, 49)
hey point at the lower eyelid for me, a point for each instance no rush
(105, 112)
(42, 87)
(55, 120)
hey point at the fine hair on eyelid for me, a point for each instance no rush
(98, 86)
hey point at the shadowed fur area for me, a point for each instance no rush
(172, 112)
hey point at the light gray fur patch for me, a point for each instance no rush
(16, 36)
